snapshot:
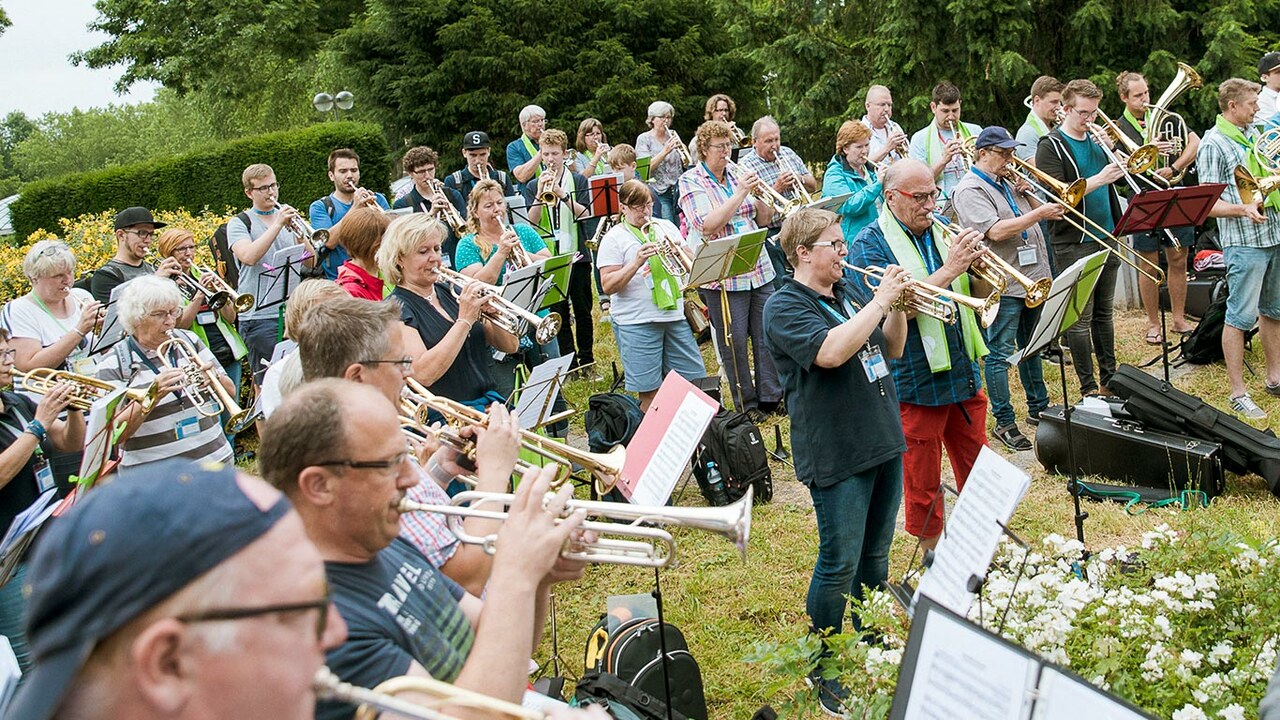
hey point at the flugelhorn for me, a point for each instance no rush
(1254, 190)
(917, 296)
(200, 384)
(604, 467)
(626, 534)
(85, 391)
(508, 316)
(671, 251)
(382, 699)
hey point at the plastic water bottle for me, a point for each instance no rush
(715, 485)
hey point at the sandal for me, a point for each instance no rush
(1154, 337)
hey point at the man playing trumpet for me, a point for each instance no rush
(940, 144)
(937, 377)
(1010, 220)
(430, 195)
(344, 173)
(888, 140)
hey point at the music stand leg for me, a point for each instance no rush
(1073, 481)
(1164, 331)
(662, 641)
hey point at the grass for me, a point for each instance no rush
(724, 605)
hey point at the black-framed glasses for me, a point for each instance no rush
(839, 246)
(423, 170)
(143, 234)
(405, 363)
(266, 188)
(390, 464)
(321, 606)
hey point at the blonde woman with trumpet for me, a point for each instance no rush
(663, 147)
(215, 328)
(148, 309)
(493, 244)
(647, 303)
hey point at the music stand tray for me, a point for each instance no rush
(1176, 207)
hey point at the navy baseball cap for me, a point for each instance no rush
(475, 139)
(129, 217)
(121, 550)
(995, 136)
(1269, 62)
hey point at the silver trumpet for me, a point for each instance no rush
(200, 384)
(300, 227)
(626, 534)
(382, 699)
(500, 311)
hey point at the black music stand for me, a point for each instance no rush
(1154, 210)
(278, 279)
(112, 331)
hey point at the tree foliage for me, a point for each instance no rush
(434, 70)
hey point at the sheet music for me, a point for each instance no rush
(99, 434)
(678, 442)
(544, 380)
(1057, 313)
(962, 673)
(22, 532)
(990, 495)
(1063, 697)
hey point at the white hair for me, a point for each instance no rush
(658, 108)
(528, 112)
(47, 258)
(145, 294)
(759, 126)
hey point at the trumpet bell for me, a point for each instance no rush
(1038, 292)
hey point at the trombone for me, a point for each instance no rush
(936, 302)
(624, 532)
(1068, 196)
(382, 699)
(1141, 157)
(200, 384)
(508, 316)
(604, 467)
(997, 272)
(86, 390)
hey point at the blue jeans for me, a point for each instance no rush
(1253, 275)
(664, 204)
(1011, 331)
(12, 607)
(855, 529)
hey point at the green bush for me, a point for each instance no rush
(208, 178)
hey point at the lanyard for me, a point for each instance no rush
(136, 349)
(49, 312)
(925, 250)
(1004, 190)
(727, 185)
(832, 311)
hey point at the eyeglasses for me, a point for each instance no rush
(267, 188)
(321, 606)
(392, 464)
(423, 170)
(1085, 114)
(643, 206)
(405, 363)
(184, 248)
(143, 234)
(920, 198)
(839, 246)
(163, 314)
(719, 146)
(8, 354)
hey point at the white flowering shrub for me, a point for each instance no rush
(1184, 626)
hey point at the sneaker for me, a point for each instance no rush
(1246, 407)
(1012, 438)
(831, 695)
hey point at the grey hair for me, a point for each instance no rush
(658, 108)
(528, 112)
(46, 258)
(758, 126)
(142, 295)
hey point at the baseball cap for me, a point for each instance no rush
(120, 551)
(474, 140)
(1268, 63)
(129, 217)
(995, 136)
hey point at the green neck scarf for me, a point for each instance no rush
(1250, 160)
(1037, 124)
(566, 239)
(932, 144)
(666, 289)
(533, 150)
(1136, 123)
(933, 336)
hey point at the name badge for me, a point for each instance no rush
(44, 474)
(206, 317)
(1027, 255)
(83, 366)
(873, 363)
(187, 428)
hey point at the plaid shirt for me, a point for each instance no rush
(427, 531)
(1216, 160)
(700, 193)
(786, 159)
(916, 383)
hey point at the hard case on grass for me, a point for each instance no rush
(1161, 406)
(1124, 451)
(633, 653)
(1202, 289)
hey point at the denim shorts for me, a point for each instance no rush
(261, 337)
(1153, 241)
(1253, 279)
(648, 350)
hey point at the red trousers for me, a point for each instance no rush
(962, 427)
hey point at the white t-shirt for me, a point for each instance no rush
(24, 318)
(634, 304)
(1266, 106)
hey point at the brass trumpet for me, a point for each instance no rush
(242, 302)
(604, 467)
(781, 204)
(670, 251)
(201, 385)
(640, 541)
(87, 390)
(917, 296)
(447, 213)
(686, 159)
(507, 315)
(606, 224)
(382, 699)
(739, 138)
(216, 297)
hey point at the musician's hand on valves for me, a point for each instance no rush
(892, 285)
(170, 381)
(1253, 213)
(1109, 173)
(965, 248)
(531, 539)
(498, 444)
(507, 243)
(471, 301)
(169, 267)
(645, 252)
(53, 403)
(896, 140)
(954, 147)
(748, 182)
(363, 197)
(90, 313)
(1165, 147)
(285, 217)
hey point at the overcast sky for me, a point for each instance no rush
(35, 73)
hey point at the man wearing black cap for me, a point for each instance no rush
(1269, 75)
(135, 229)
(181, 591)
(1009, 219)
(475, 150)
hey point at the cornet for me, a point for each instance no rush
(85, 391)
(671, 251)
(382, 699)
(781, 204)
(508, 316)
(917, 296)
(201, 385)
(604, 467)
(625, 535)
(216, 297)
(317, 239)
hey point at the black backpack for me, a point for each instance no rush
(633, 654)
(734, 444)
(1203, 345)
(224, 262)
(612, 419)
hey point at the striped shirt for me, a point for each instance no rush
(174, 428)
(700, 193)
(1216, 160)
(785, 159)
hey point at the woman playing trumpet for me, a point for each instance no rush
(148, 308)
(664, 149)
(850, 172)
(647, 303)
(592, 156)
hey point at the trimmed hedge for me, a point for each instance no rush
(208, 178)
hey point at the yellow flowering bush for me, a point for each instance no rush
(92, 238)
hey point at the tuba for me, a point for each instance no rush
(201, 385)
(508, 316)
(87, 390)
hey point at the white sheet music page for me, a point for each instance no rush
(673, 452)
(1063, 697)
(990, 495)
(962, 673)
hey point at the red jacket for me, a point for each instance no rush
(358, 283)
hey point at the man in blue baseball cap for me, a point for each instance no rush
(177, 591)
(1009, 217)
